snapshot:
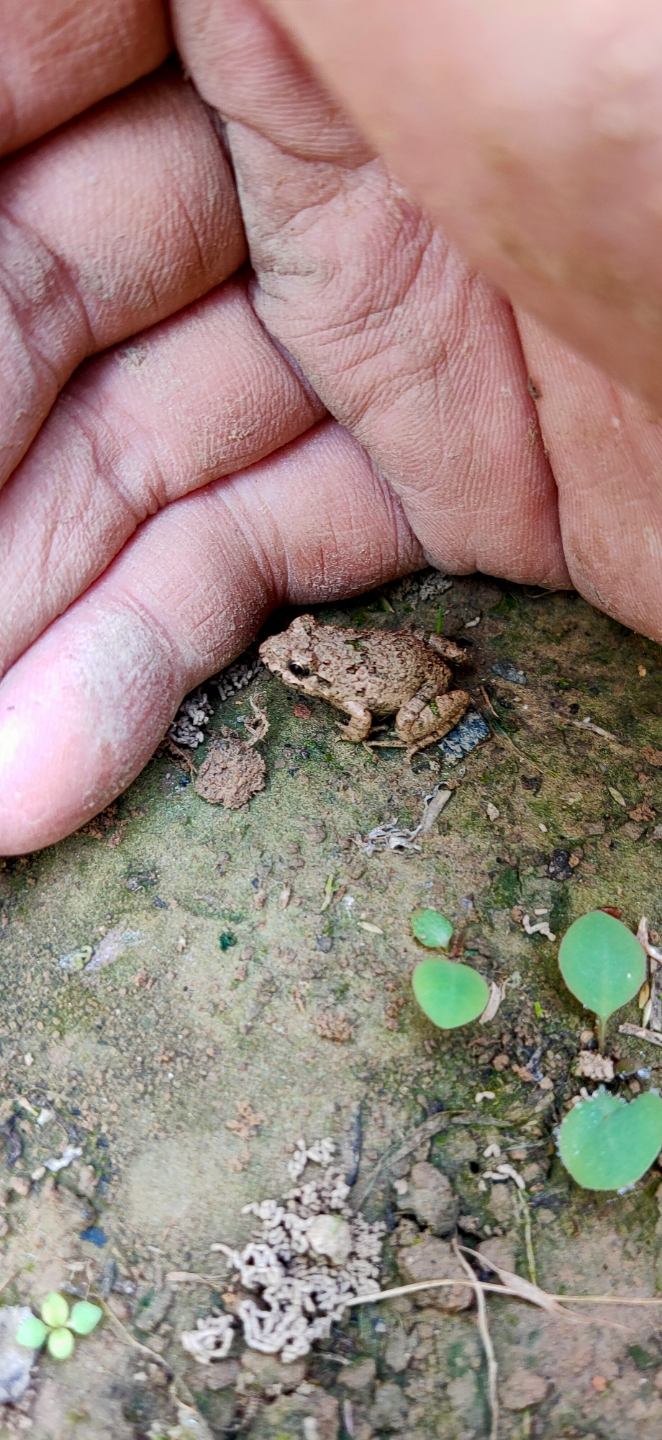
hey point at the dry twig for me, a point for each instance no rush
(257, 728)
(426, 1131)
(612, 740)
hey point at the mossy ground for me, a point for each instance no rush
(145, 1062)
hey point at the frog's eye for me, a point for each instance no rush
(299, 670)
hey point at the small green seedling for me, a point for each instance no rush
(607, 1144)
(431, 928)
(448, 993)
(56, 1325)
(602, 963)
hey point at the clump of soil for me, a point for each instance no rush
(231, 775)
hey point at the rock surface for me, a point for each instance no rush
(433, 1259)
(360, 1376)
(288, 1415)
(268, 1371)
(431, 1199)
(15, 1360)
(501, 1250)
(390, 1410)
(522, 1390)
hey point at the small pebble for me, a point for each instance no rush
(20, 1185)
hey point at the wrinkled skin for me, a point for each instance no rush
(189, 440)
(374, 672)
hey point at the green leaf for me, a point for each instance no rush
(607, 1144)
(450, 994)
(602, 963)
(31, 1332)
(431, 928)
(84, 1317)
(55, 1310)
(60, 1344)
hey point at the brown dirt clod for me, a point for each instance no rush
(231, 775)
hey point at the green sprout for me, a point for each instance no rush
(329, 892)
(57, 1326)
(449, 994)
(608, 1144)
(602, 963)
(440, 619)
(431, 929)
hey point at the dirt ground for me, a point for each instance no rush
(226, 1014)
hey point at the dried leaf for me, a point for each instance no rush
(653, 1036)
(433, 808)
(523, 1288)
(496, 996)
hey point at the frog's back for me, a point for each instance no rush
(384, 669)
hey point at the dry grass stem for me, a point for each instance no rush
(523, 1212)
(128, 1337)
(506, 740)
(189, 1277)
(553, 1304)
(492, 1367)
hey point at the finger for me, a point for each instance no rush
(606, 449)
(535, 134)
(59, 58)
(197, 397)
(407, 346)
(83, 709)
(232, 48)
(415, 355)
(116, 221)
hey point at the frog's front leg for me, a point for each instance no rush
(422, 720)
(360, 721)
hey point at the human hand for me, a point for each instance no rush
(404, 343)
(123, 219)
(409, 349)
(533, 134)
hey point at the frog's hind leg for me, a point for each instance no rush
(423, 720)
(359, 724)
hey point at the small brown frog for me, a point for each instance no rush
(372, 672)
